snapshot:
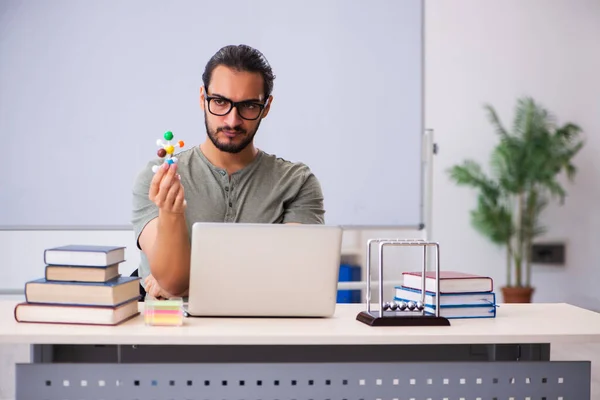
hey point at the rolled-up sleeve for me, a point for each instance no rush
(308, 205)
(143, 209)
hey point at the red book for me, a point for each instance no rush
(450, 282)
(76, 314)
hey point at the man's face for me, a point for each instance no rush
(230, 132)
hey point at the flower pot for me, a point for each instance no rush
(517, 294)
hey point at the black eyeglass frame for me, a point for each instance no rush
(235, 104)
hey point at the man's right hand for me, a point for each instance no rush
(154, 289)
(166, 190)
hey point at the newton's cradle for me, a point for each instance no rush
(401, 313)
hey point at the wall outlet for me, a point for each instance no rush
(548, 253)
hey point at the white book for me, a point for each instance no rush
(446, 299)
(84, 255)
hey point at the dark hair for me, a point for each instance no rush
(241, 58)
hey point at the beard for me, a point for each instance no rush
(229, 146)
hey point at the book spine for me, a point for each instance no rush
(15, 312)
(25, 292)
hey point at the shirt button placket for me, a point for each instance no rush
(229, 203)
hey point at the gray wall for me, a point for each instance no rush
(86, 89)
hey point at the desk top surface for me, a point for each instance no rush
(514, 323)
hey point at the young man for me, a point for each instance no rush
(225, 179)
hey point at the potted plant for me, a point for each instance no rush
(526, 165)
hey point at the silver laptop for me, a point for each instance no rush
(264, 270)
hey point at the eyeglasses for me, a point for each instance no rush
(248, 109)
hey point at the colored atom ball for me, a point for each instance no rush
(180, 143)
(161, 153)
(170, 149)
(168, 135)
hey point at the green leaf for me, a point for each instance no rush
(495, 120)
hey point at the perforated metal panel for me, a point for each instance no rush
(350, 381)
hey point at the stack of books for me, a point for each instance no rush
(81, 285)
(462, 295)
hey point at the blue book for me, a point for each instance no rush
(111, 293)
(454, 311)
(81, 274)
(84, 255)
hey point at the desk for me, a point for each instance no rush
(339, 357)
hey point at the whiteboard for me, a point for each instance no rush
(87, 87)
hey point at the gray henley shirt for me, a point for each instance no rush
(270, 190)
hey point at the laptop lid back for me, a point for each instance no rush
(264, 270)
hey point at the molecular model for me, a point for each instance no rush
(167, 149)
